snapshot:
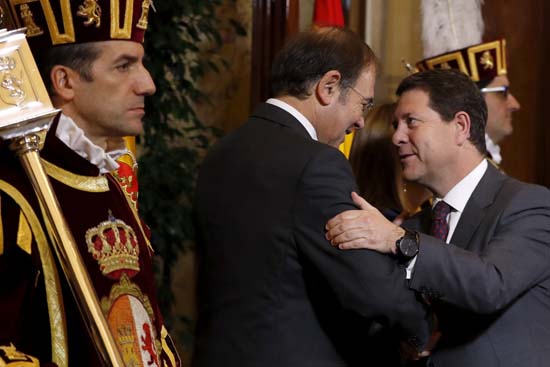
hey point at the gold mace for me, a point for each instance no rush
(26, 114)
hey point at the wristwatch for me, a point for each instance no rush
(408, 245)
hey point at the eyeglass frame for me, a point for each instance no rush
(504, 89)
(367, 103)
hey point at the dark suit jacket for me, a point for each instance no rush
(493, 282)
(272, 291)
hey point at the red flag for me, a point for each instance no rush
(328, 13)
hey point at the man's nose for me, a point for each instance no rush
(513, 103)
(359, 124)
(399, 136)
(145, 84)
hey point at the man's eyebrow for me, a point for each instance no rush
(127, 58)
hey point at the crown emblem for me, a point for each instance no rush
(114, 245)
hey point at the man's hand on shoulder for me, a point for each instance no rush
(365, 228)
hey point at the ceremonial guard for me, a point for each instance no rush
(90, 55)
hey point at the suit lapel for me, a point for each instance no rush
(476, 208)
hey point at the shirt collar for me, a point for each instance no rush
(493, 149)
(297, 115)
(73, 136)
(459, 195)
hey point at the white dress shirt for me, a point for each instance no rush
(294, 112)
(457, 198)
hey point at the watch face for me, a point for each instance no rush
(408, 245)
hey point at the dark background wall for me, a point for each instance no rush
(526, 153)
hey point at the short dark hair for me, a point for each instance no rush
(451, 91)
(78, 56)
(311, 54)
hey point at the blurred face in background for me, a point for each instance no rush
(500, 106)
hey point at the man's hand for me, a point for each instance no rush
(409, 352)
(366, 228)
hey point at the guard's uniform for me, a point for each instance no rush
(115, 248)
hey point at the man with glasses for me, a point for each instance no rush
(485, 64)
(500, 105)
(272, 290)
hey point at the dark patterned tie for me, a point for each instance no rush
(440, 227)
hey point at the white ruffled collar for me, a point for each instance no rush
(73, 136)
(493, 149)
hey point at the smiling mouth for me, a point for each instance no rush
(405, 156)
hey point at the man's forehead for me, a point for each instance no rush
(412, 98)
(367, 78)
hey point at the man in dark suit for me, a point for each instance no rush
(272, 291)
(484, 268)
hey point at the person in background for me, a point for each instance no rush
(92, 66)
(485, 64)
(376, 167)
(480, 257)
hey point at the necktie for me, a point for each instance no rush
(440, 227)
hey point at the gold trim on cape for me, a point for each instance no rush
(82, 183)
(135, 212)
(24, 234)
(56, 311)
(165, 348)
(1, 229)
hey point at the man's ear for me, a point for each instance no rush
(462, 127)
(63, 81)
(328, 87)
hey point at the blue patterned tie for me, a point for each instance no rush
(440, 227)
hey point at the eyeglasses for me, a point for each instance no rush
(500, 89)
(368, 103)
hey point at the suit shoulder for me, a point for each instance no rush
(516, 187)
(517, 196)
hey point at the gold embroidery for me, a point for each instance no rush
(24, 234)
(487, 60)
(125, 286)
(114, 245)
(125, 31)
(485, 47)
(455, 56)
(51, 279)
(15, 358)
(82, 183)
(142, 23)
(166, 348)
(28, 21)
(126, 340)
(90, 10)
(1, 229)
(137, 218)
(56, 36)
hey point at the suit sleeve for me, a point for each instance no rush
(366, 282)
(515, 257)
